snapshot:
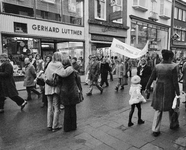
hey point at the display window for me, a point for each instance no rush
(18, 48)
(73, 49)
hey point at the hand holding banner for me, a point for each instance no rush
(127, 50)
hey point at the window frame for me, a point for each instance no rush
(95, 10)
(116, 5)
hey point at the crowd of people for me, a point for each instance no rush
(60, 84)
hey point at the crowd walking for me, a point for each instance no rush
(61, 85)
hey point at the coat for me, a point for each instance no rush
(69, 89)
(144, 73)
(166, 77)
(7, 81)
(184, 77)
(94, 71)
(30, 75)
(119, 70)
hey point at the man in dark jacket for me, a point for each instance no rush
(94, 72)
(8, 83)
(75, 65)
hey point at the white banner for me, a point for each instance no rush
(127, 50)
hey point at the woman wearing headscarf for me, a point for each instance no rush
(70, 88)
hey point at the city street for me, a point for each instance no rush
(102, 125)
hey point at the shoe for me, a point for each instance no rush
(116, 89)
(56, 129)
(141, 122)
(23, 105)
(155, 134)
(122, 88)
(49, 128)
(1, 111)
(101, 91)
(174, 128)
(148, 95)
(86, 84)
(89, 94)
(130, 124)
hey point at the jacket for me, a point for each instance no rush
(69, 89)
(30, 75)
(7, 81)
(167, 87)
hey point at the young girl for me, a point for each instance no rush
(135, 99)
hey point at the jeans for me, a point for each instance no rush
(53, 111)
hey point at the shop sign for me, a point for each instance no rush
(56, 30)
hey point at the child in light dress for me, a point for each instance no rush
(136, 99)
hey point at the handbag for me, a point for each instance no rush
(54, 81)
(40, 81)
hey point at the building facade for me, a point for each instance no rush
(149, 20)
(178, 45)
(42, 26)
(107, 20)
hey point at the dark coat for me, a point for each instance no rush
(145, 75)
(7, 80)
(105, 68)
(69, 91)
(166, 77)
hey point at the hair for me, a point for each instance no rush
(38, 55)
(166, 54)
(75, 58)
(48, 57)
(66, 62)
(57, 57)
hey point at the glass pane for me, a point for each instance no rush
(175, 13)
(180, 14)
(72, 11)
(49, 11)
(100, 9)
(26, 9)
(183, 36)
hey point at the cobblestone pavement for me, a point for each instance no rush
(102, 132)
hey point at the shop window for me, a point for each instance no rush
(18, 9)
(73, 49)
(17, 49)
(48, 15)
(117, 7)
(73, 12)
(100, 9)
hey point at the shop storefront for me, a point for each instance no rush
(22, 36)
(143, 30)
(102, 36)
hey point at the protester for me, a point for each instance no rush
(119, 69)
(87, 71)
(166, 89)
(69, 94)
(128, 67)
(29, 83)
(136, 99)
(94, 72)
(112, 66)
(7, 83)
(104, 70)
(144, 71)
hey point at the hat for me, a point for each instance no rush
(135, 79)
(3, 56)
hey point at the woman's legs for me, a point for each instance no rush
(50, 111)
(56, 107)
(140, 121)
(73, 117)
